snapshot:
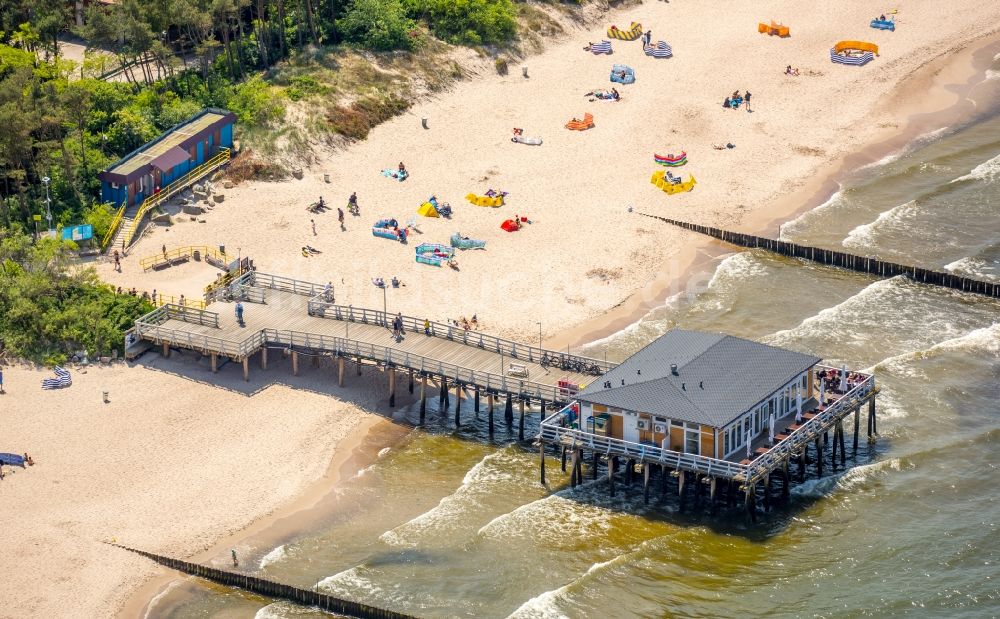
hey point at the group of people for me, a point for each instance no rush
(465, 323)
(397, 327)
(736, 99)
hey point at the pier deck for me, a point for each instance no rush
(297, 317)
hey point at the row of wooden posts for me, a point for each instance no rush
(523, 401)
(862, 264)
(272, 589)
(576, 455)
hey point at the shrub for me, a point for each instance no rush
(469, 22)
(254, 103)
(380, 25)
(357, 120)
(501, 65)
(303, 86)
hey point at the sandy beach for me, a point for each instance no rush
(181, 460)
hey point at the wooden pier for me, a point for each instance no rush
(749, 476)
(272, 589)
(862, 264)
(299, 318)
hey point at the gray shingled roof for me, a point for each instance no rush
(720, 377)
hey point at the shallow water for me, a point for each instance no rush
(451, 524)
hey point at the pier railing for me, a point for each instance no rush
(173, 311)
(809, 430)
(553, 431)
(150, 328)
(319, 306)
(221, 290)
(286, 284)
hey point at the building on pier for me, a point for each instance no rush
(697, 393)
(715, 407)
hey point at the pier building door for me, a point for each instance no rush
(692, 439)
(630, 427)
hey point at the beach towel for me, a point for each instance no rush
(520, 139)
(396, 174)
(12, 460)
(61, 380)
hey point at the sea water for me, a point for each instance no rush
(452, 524)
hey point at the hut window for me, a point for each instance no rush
(805, 383)
(726, 450)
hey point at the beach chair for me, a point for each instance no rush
(581, 125)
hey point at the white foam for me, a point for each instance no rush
(794, 224)
(542, 606)
(970, 266)
(351, 584)
(917, 142)
(496, 469)
(852, 477)
(985, 171)
(384, 452)
(863, 235)
(275, 555)
(986, 339)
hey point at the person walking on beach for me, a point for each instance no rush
(746, 99)
(164, 250)
(235, 562)
(313, 222)
(1, 382)
(239, 312)
(340, 218)
(118, 261)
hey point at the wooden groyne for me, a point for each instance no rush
(862, 264)
(271, 589)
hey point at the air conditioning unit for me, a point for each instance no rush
(642, 424)
(660, 428)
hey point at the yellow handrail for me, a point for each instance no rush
(162, 299)
(115, 222)
(168, 192)
(204, 250)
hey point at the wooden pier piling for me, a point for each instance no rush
(489, 404)
(392, 387)
(508, 411)
(520, 421)
(423, 398)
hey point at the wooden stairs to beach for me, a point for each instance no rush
(118, 240)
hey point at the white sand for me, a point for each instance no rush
(174, 463)
(576, 187)
(171, 464)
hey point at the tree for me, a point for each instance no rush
(378, 24)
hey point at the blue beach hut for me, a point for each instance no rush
(170, 156)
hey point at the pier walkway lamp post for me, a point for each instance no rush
(48, 203)
(385, 316)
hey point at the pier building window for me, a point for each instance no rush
(692, 438)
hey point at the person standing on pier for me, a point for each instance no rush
(239, 313)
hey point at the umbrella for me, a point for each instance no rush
(748, 443)
(822, 392)
(770, 426)
(843, 379)
(798, 408)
